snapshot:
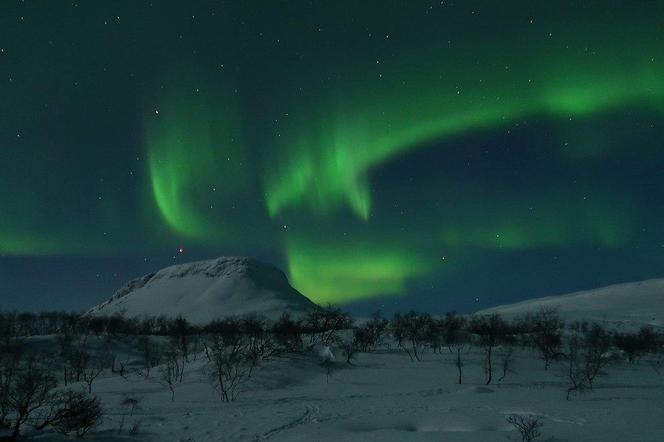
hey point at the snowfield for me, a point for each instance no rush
(383, 397)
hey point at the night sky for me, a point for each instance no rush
(439, 155)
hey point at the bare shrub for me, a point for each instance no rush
(456, 338)
(588, 355)
(121, 366)
(287, 333)
(170, 375)
(260, 345)
(527, 425)
(323, 325)
(544, 330)
(637, 345)
(94, 368)
(73, 412)
(229, 367)
(575, 374)
(131, 404)
(172, 372)
(181, 332)
(410, 331)
(370, 335)
(12, 352)
(506, 360)
(29, 390)
(492, 330)
(151, 352)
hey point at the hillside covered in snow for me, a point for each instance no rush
(629, 304)
(207, 290)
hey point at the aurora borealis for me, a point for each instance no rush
(441, 155)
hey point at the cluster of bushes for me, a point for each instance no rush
(29, 395)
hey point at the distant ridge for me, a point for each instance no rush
(207, 290)
(627, 304)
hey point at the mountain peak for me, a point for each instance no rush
(202, 291)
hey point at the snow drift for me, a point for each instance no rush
(207, 290)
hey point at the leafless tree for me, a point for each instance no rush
(121, 367)
(456, 338)
(371, 334)
(259, 343)
(597, 343)
(544, 330)
(229, 368)
(92, 371)
(12, 352)
(527, 425)
(587, 356)
(636, 345)
(74, 355)
(79, 361)
(29, 391)
(491, 329)
(506, 359)
(227, 332)
(169, 375)
(172, 372)
(151, 353)
(180, 331)
(65, 343)
(323, 325)
(287, 333)
(410, 332)
(175, 357)
(575, 374)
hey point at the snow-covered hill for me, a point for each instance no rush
(629, 304)
(207, 290)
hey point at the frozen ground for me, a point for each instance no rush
(385, 397)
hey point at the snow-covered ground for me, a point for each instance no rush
(628, 305)
(384, 397)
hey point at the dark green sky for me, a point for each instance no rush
(437, 155)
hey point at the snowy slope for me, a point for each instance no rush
(629, 304)
(207, 290)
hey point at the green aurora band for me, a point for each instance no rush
(194, 147)
(221, 173)
(324, 158)
(357, 271)
(331, 164)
